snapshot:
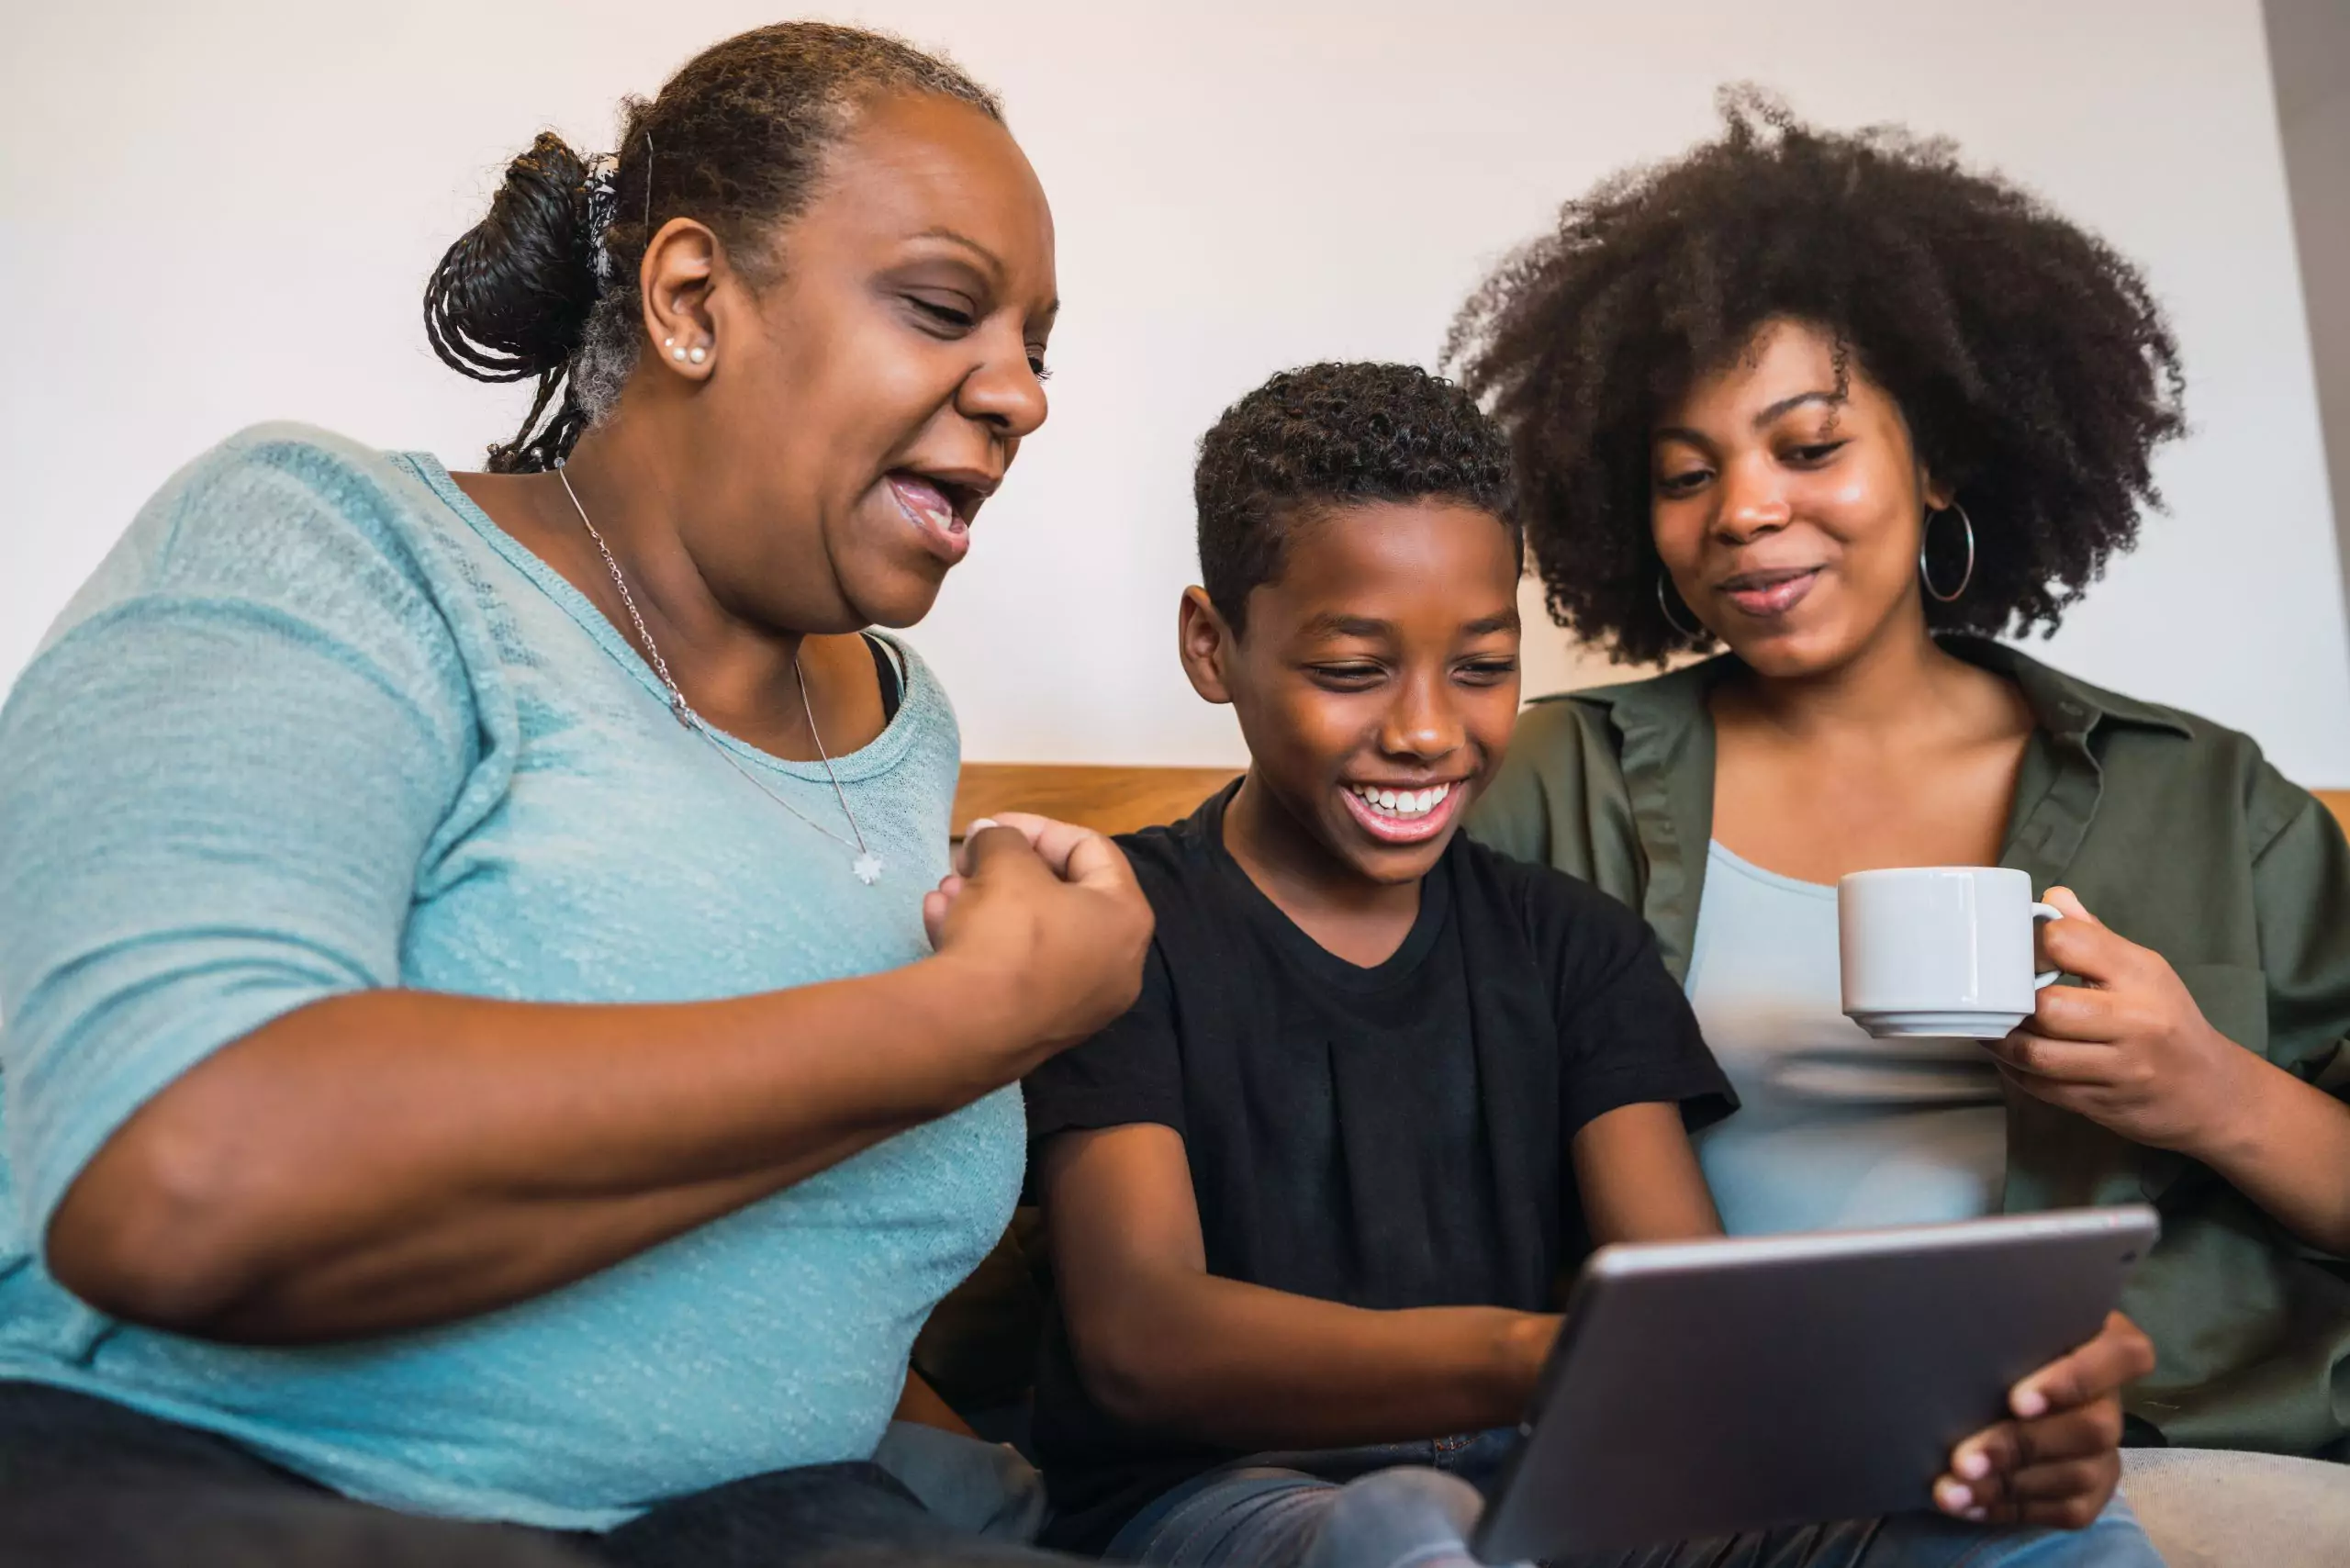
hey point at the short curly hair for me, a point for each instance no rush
(1333, 435)
(2030, 360)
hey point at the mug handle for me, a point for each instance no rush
(2041, 912)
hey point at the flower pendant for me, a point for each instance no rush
(867, 868)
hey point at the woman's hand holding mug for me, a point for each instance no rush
(2129, 1049)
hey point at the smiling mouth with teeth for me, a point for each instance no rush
(1403, 804)
(1403, 817)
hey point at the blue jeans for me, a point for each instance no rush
(983, 1489)
(1414, 1505)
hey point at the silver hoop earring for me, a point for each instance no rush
(1925, 577)
(1665, 608)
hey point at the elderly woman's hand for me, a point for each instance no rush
(2058, 1461)
(1051, 911)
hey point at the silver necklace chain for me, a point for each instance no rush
(867, 864)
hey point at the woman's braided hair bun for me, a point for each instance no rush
(511, 298)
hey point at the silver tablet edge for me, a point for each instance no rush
(1629, 1259)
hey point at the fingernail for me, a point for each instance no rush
(1974, 1464)
(1976, 1516)
(977, 823)
(2031, 1402)
(1949, 1495)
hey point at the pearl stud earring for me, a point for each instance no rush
(677, 353)
(699, 353)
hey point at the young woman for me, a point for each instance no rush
(475, 1043)
(1845, 411)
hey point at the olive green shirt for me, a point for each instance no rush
(2182, 838)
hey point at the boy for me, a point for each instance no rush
(1312, 1197)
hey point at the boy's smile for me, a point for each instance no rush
(1401, 814)
(1376, 681)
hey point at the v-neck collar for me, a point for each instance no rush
(872, 759)
(1665, 734)
(1291, 939)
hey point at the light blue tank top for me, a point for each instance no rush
(1834, 1130)
(318, 724)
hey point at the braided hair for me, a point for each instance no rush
(2030, 360)
(545, 285)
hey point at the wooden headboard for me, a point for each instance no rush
(1119, 800)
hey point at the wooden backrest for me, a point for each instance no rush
(1119, 800)
(1106, 799)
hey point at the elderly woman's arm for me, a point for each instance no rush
(264, 732)
(390, 1159)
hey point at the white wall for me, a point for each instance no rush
(2308, 43)
(219, 214)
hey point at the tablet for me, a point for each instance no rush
(1705, 1387)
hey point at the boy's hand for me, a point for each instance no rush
(2058, 1462)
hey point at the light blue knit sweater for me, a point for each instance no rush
(317, 725)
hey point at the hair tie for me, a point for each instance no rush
(603, 190)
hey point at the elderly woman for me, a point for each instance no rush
(484, 1038)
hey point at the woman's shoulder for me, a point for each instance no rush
(2194, 755)
(337, 473)
(1565, 768)
(281, 525)
(270, 503)
(2163, 759)
(1566, 729)
(1588, 727)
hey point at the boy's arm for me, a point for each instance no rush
(1638, 1176)
(1163, 1344)
(1635, 1071)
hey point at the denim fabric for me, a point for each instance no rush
(1417, 1510)
(983, 1489)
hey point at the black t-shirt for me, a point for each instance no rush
(1393, 1136)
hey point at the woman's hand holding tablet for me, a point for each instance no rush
(2054, 1462)
(1704, 1388)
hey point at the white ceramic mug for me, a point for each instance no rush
(1940, 951)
